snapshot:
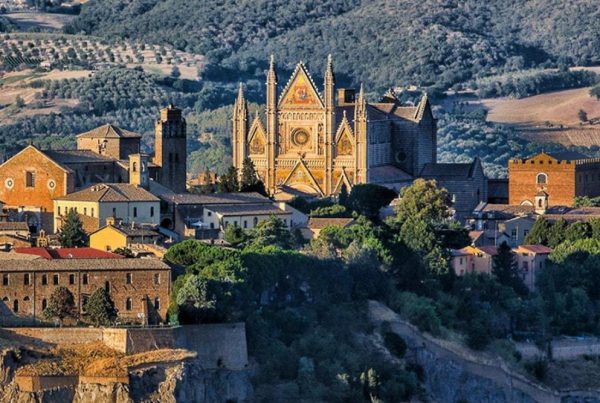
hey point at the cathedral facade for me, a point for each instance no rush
(310, 143)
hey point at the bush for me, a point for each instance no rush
(395, 344)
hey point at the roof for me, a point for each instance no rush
(111, 192)
(490, 250)
(322, 222)
(128, 231)
(168, 195)
(459, 252)
(246, 209)
(388, 173)
(568, 155)
(14, 226)
(385, 111)
(24, 264)
(109, 131)
(572, 214)
(509, 209)
(449, 170)
(541, 249)
(77, 157)
(68, 253)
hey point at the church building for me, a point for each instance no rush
(310, 143)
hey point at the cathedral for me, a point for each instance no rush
(311, 143)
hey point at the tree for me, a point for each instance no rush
(272, 232)
(20, 102)
(539, 232)
(228, 183)
(424, 200)
(343, 196)
(368, 199)
(100, 308)
(250, 181)
(71, 234)
(234, 235)
(582, 115)
(506, 270)
(175, 73)
(61, 305)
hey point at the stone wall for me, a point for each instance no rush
(562, 349)
(55, 335)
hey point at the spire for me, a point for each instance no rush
(329, 68)
(272, 75)
(240, 97)
(360, 112)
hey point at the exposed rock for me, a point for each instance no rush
(113, 393)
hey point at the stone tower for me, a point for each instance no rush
(171, 149)
(138, 170)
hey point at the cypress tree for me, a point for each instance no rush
(71, 233)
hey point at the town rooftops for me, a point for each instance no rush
(322, 222)
(246, 209)
(537, 249)
(504, 210)
(14, 226)
(68, 253)
(66, 157)
(205, 199)
(109, 131)
(18, 263)
(111, 192)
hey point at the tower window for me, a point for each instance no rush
(129, 278)
(44, 279)
(44, 303)
(541, 179)
(128, 304)
(157, 303)
(26, 279)
(5, 279)
(30, 179)
(71, 279)
(85, 279)
(55, 279)
(156, 278)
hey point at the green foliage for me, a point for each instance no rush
(71, 234)
(228, 182)
(506, 270)
(61, 305)
(125, 252)
(395, 344)
(250, 181)
(100, 309)
(368, 199)
(538, 368)
(420, 311)
(586, 201)
(271, 232)
(20, 102)
(335, 210)
(539, 232)
(234, 235)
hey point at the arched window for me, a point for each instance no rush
(157, 303)
(44, 303)
(134, 167)
(128, 304)
(26, 299)
(540, 201)
(541, 179)
(16, 306)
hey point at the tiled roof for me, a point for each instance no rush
(109, 131)
(127, 230)
(204, 199)
(536, 248)
(512, 209)
(322, 222)
(76, 156)
(246, 209)
(68, 253)
(14, 226)
(111, 192)
(20, 264)
(490, 250)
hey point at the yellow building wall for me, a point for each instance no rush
(108, 239)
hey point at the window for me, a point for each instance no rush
(513, 234)
(58, 210)
(540, 201)
(71, 279)
(44, 279)
(128, 304)
(44, 303)
(128, 278)
(16, 306)
(525, 266)
(157, 278)
(30, 179)
(525, 232)
(245, 224)
(255, 221)
(135, 211)
(85, 211)
(209, 213)
(55, 279)
(541, 179)
(157, 303)
(114, 211)
(107, 286)
(85, 279)
(5, 279)
(460, 261)
(134, 168)
(26, 279)
(152, 211)
(92, 212)
(212, 225)
(26, 299)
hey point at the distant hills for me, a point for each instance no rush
(381, 43)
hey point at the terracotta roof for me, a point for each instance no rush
(109, 131)
(322, 222)
(68, 253)
(512, 209)
(20, 264)
(111, 192)
(77, 157)
(537, 248)
(572, 214)
(459, 252)
(490, 250)
(14, 226)
(246, 209)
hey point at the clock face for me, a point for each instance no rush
(300, 137)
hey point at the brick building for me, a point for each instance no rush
(552, 179)
(140, 288)
(33, 178)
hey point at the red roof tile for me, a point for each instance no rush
(69, 253)
(41, 252)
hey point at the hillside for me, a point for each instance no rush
(381, 43)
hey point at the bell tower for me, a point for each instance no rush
(171, 149)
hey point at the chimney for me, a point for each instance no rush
(346, 96)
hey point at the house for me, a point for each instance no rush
(140, 288)
(488, 238)
(14, 234)
(516, 229)
(245, 216)
(530, 259)
(316, 224)
(471, 259)
(97, 203)
(114, 236)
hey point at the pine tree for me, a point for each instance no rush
(250, 181)
(61, 305)
(506, 270)
(228, 183)
(100, 308)
(71, 234)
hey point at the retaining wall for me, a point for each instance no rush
(37, 383)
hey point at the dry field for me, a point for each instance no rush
(551, 117)
(44, 21)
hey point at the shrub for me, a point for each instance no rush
(395, 344)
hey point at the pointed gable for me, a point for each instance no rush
(300, 91)
(344, 138)
(300, 175)
(343, 180)
(257, 139)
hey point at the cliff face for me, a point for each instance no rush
(169, 383)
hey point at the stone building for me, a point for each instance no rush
(553, 179)
(140, 288)
(33, 178)
(310, 143)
